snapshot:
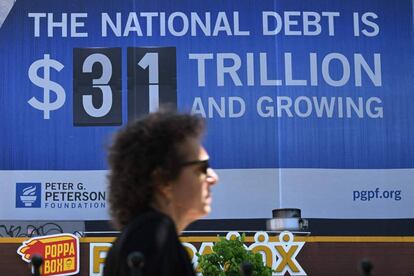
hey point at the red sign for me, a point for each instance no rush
(60, 253)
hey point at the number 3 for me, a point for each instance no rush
(101, 83)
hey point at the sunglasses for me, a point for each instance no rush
(204, 164)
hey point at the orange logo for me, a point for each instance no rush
(60, 253)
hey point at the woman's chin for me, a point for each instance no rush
(207, 209)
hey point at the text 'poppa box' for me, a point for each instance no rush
(60, 253)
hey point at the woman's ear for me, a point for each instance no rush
(166, 191)
(161, 187)
(163, 196)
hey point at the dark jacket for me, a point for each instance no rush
(154, 235)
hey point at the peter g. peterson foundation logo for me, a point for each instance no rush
(60, 253)
(28, 195)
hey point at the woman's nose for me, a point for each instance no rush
(212, 177)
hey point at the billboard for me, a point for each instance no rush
(307, 104)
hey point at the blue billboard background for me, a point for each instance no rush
(30, 142)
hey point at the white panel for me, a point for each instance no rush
(329, 193)
(240, 193)
(57, 202)
(245, 193)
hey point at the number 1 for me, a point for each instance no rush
(150, 60)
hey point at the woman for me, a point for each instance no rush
(159, 182)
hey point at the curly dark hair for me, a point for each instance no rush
(144, 146)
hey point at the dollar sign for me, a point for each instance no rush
(46, 63)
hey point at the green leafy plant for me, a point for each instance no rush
(227, 258)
